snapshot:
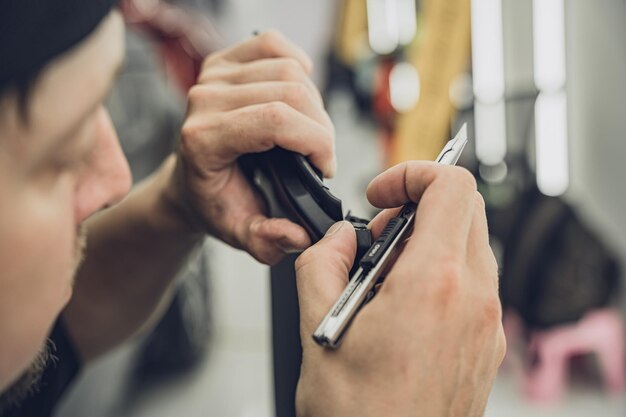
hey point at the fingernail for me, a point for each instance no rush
(289, 250)
(288, 246)
(335, 228)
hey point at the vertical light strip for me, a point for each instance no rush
(490, 126)
(551, 143)
(551, 134)
(407, 21)
(549, 44)
(488, 80)
(382, 22)
(487, 50)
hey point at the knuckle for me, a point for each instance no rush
(275, 113)
(199, 93)
(262, 142)
(211, 60)
(187, 141)
(487, 319)
(418, 172)
(290, 70)
(295, 93)
(189, 131)
(194, 93)
(448, 282)
(195, 128)
(266, 142)
(491, 312)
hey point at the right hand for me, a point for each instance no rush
(430, 342)
(249, 98)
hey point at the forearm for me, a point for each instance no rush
(134, 252)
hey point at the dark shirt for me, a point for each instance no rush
(55, 380)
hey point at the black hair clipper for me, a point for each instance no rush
(292, 188)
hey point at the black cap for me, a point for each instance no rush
(33, 32)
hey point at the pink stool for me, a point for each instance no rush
(600, 332)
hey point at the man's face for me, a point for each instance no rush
(56, 169)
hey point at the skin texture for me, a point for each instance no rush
(62, 168)
(53, 175)
(241, 104)
(437, 314)
(430, 342)
(250, 98)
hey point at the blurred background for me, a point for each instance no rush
(542, 87)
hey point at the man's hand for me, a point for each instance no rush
(430, 342)
(250, 98)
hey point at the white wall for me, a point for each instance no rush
(597, 93)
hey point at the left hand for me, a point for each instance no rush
(249, 98)
(430, 342)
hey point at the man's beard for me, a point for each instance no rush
(28, 382)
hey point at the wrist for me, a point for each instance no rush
(172, 202)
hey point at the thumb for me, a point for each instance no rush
(322, 273)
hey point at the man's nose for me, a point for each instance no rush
(107, 179)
